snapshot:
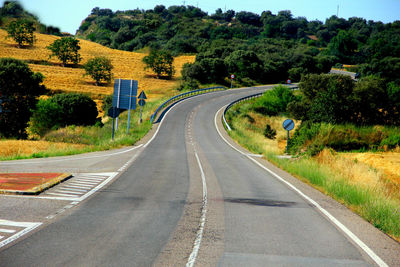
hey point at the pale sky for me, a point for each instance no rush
(68, 14)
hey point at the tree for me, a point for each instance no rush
(22, 32)
(20, 87)
(66, 50)
(99, 68)
(161, 62)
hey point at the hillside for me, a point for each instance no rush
(127, 65)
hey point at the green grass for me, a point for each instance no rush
(373, 204)
(98, 138)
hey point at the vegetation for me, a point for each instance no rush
(338, 99)
(100, 69)
(13, 10)
(22, 32)
(161, 62)
(62, 110)
(367, 191)
(19, 87)
(66, 50)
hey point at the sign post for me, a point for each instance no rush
(232, 77)
(288, 125)
(113, 112)
(142, 102)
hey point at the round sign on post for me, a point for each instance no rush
(142, 102)
(233, 76)
(288, 125)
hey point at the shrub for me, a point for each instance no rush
(78, 109)
(269, 132)
(45, 117)
(274, 101)
(391, 141)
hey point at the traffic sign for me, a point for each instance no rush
(113, 112)
(141, 102)
(142, 95)
(288, 125)
(233, 76)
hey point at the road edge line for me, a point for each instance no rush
(199, 236)
(335, 221)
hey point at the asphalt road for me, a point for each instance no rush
(188, 194)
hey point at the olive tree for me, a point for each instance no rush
(99, 68)
(21, 31)
(66, 50)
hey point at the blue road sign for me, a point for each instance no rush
(288, 125)
(113, 112)
(125, 92)
(142, 95)
(142, 102)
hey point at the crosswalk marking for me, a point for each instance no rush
(7, 231)
(73, 189)
(68, 192)
(78, 187)
(14, 230)
(84, 182)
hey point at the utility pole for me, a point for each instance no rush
(337, 14)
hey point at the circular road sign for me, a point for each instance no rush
(142, 102)
(233, 76)
(288, 125)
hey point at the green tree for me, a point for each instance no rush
(20, 87)
(22, 32)
(66, 50)
(99, 68)
(161, 62)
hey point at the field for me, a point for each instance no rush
(127, 65)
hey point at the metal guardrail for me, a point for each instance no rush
(235, 102)
(185, 95)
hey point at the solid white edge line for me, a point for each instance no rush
(335, 221)
(89, 157)
(199, 236)
(29, 227)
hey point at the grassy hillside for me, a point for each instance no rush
(127, 65)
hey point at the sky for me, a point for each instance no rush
(68, 14)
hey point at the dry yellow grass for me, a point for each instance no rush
(386, 162)
(15, 148)
(127, 65)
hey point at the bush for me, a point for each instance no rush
(274, 101)
(47, 116)
(269, 132)
(78, 109)
(391, 141)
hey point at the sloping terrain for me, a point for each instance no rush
(127, 65)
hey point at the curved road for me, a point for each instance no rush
(188, 197)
